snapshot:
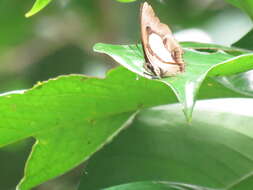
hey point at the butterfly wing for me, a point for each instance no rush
(162, 52)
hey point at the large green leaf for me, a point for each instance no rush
(69, 113)
(71, 117)
(155, 185)
(215, 151)
(198, 66)
(38, 5)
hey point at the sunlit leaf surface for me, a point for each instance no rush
(198, 66)
(73, 113)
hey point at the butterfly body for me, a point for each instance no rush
(163, 54)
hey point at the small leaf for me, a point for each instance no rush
(198, 66)
(38, 5)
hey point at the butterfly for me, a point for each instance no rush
(163, 54)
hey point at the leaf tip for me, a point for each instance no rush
(31, 12)
(97, 47)
(28, 14)
(38, 6)
(188, 114)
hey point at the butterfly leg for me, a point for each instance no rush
(153, 72)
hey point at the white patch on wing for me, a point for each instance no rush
(157, 46)
(168, 69)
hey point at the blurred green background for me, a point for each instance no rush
(59, 39)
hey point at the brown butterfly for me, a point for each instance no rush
(163, 54)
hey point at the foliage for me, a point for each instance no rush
(186, 85)
(154, 185)
(213, 152)
(38, 5)
(113, 123)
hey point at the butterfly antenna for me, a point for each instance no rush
(140, 49)
(136, 44)
(133, 49)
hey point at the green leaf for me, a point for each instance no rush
(72, 117)
(215, 47)
(215, 151)
(38, 5)
(70, 112)
(198, 66)
(243, 82)
(155, 185)
(245, 5)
